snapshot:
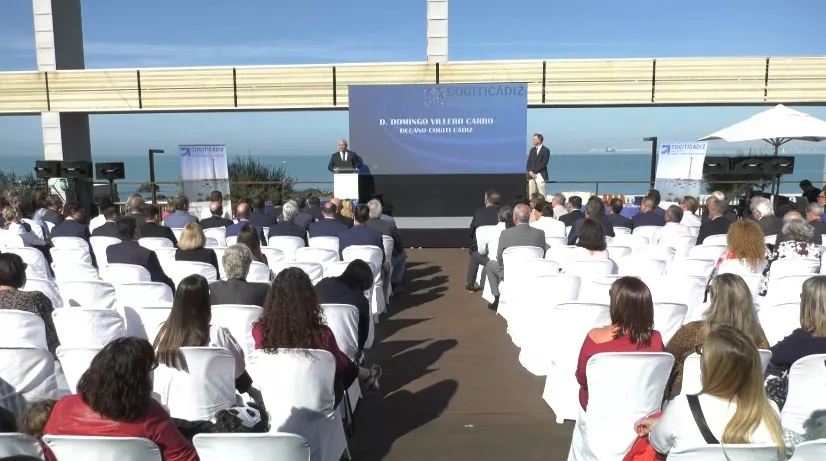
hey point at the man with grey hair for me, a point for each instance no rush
(235, 289)
(761, 209)
(286, 227)
(673, 225)
(718, 223)
(521, 234)
(558, 202)
(816, 236)
(796, 230)
(134, 208)
(389, 228)
(301, 218)
(814, 216)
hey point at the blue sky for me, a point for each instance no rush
(151, 33)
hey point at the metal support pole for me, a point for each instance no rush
(153, 192)
(654, 147)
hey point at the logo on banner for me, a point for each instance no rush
(186, 152)
(436, 96)
(665, 149)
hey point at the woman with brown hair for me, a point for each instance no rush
(249, 237)
(810, 338)
(591, 243)
(631, 329)
(746, 251)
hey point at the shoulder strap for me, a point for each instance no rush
(697, 412)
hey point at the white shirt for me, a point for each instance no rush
(676, 431)
(690, 219)
(559, 211)
(670, 228)
(29, 238)
(551, 226)
(343, 155)
(96, 222)
(221, 337)
(483, 246)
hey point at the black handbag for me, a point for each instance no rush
(700, 419)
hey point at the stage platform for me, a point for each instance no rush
(453, 389)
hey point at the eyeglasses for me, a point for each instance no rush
(699, 350)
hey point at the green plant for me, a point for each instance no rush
(249, 177)
(23, 184)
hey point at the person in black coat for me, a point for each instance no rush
(328, 225)
(259, 218)
(74, 226)
(130, 252)
(191, 247)
(152, 228)
(217, 218)
(344, 159)
(360, 234)
(235, 289)
(615, 218)
(314, 208)
(349, 288)
(575, 213)
(487, 216)
(647, 215)
(342, 219)
(596, 211)
(536, 167)
(287, 227)
(110, 227)
(718, 224)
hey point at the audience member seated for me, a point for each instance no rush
(134, 207)
(595, 210)
(814, 216)
(732, 404)
(796, 244)
(314, 207)
(631, 329)
(180, 217)
(235, 289)
(487, 216)
(349, 288)
(690, 205)
(189, 325)
(192, 247)
(654, 194)
(215, 197)
(215, 217)
(242, 211)
(731, 304)
(558, 204)
(129, 252)
(293, 319)
(286, 226)
(52, 210)
(537, 203)
(251, 238)
(114, 399)
(259, 218)
(673, 225)
(109, 228)
(347, 212)
(151, 226)
(36, 417)
(12, 222)
(547, 223)
(574, 211)
(718, 222)
(360, 233)
(811, 219)
(591, 243)
(745, 244)
(74, 226)
(614, 217)
(346, 220)
(399, 257)
(12, 279)
(648, 216)
(481, 256)
(301, 218)
(761, 209)
(328, 225)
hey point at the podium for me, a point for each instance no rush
(346, 184)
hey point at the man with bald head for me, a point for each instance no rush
(344, 159)
(817, 237)
(216, 217)
(521, 234)
(243, 210)
(342, 219)
(328, 225)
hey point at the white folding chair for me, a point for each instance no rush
(259, 272)
(660, 252)
(88, 294)
(36, 264)
(88, 327)
(556, 241)
(690, 267)
(692, 378)
(813, 450)
(707, 251)
(99, 246)
(10, 240)
(22, 329)
(633, 241)
(70, 243)
(94, 448)
(318, 255)
(153, 243)
(274, 255)
(238, 319)
(621, 231)
(525, 321)
(74, 271)
(145, 321)
(71, 254)
(372, 255)
(807, 392)
(680, 243)
(314, 270)
(343, 320)
(217, 233)
(287, 244)
(47, 287)
(326, 243)
(232, 240)
(137, 294)
(125, 273)
(645, 231)
(27, 374)
(639, 267)
(16, 444)
(787, 288)
(778, 320)
(272, 445)
(177, 231)
(792, 266)
(75, 361)
(204, 385)
(717, 240)
(668, 318)
(731, 452)
(179, 270)
(615, 252)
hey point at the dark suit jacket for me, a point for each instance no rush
(288, 228)
(53, 216)
(388, 228)
(315, 212)
(360, 235)
(618, 220)
(236, 291)
(345, 220)
(771, 225)
(716, 226)
(520, 235)
(261, 220)
(538, 161)
(199, 255)
(139, 218)
(72, 228)
(649, 218)
(107, 229)
(151, 229)
(178, 219)
(327, 228)
(817, 237)
(488, 216)
(571, 217)
(129, 252)
(215, 221)
(331, 291)
(607, 228)
(353, 161)
(234, 228)
(303, 219)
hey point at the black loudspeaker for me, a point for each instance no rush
(780, 165)
(77, 170)
(750, 165)
(716, 165)
(110, 171)
(47, 169)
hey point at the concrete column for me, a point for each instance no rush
(58, 33)
(437, 31)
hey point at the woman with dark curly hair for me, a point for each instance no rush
(293, 319)
(746, 251)
(114, 399)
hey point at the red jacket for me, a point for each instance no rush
(71, 416)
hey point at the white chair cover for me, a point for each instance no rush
(167, 255)
(71, 272)
(297, 387)
(692, 383)
(645, 231)
(632, 241)
(337, 268)
(274, 445)
(807, 392)
(238, 319)
(179, 270)
(615, 252)
(87, 326)
(204, 386)
(733, 452)
(813, 450)
(88, 448)
(640, 267)
(668, 318)
(678, 289)
(372, 255)
(274, 255)
(343, 320)
(12, 444)
(555, 241)
(70, 243)
(707, 251)
(153, 243)
(792, 266)
(314, 270)
(125, 273)
(75, 361)
(719, 239)
(528, 312)
(690, 267)
(22, 329)
(287, 244)
(321, 256)
(146, 321)
(47, 287)
(137, 294)
(621, 230)
(779, 320)
(36, 264)
(99, 246)
(71, 255)
(681, 244)
(88, 294)
(232, 240)
(517, 291)
(177, 231)
(26, 374)
(622, 388)
(259, 272)
(787, 288)
(10, 240)
(326, 243)
(660, 252)
(217, 233)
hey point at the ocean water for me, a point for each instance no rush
(569, 171)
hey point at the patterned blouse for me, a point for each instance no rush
(790, 249)
(36, 303)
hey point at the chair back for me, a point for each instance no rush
(318, 255)
(204, 385)
(343, 320)
(389, 245)
(125, 273)
(640, 267)
(326, 243)
(272, 445)
(668, 318)
(71, 254)
(287, 244)
(368, 253)
(680, 243)
(793, 266)
(556, 241)
(813, 450)
(513, 255)
(16, 444)
(75, 361)
(36, 264)
(238, 319)
(731, 452)
(70, 243)
(88, 294)
(274, 255)
(690, 267)
(99, 245)
(22, 329)
(589, 268)
(787, 288)
(88, 326)
(217, 233)
(615, 252)
(153, 243)
(314, 270)
(778, 320)
(138, 294)
(660, 252)
(146, 321)
(337, 268)
(47, 287)
(692, 377)
(73, 271)
(259, 272)
(645, 231)
(707, 251)
(807, 392)
(180, 270)
(94, 448)
(27, 374)
(678, 289)
(633, 241)
(717, 239)
(10, 240)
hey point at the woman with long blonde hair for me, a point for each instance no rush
(347, 209)
(731, 304)
(732, 403)
(810, 338)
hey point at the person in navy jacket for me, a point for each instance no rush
(286, 227)
(328, 225)
(360, 234)
(648, 215)
(74, 226)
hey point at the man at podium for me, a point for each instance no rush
(344, 159)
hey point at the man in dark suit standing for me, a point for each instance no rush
(259, 217)
(537, 166)
(328, 225)
(487, 216)
(596, 211)
(574, 206)
(216, 218)
(314, 207)
(74, 226)
(615, 218)
(152, 227)
(360, 234)
(718, 223)
(129, 252)
(647, 215)
(344, 159)
(286, 227)
(761, 209)
(399, 257)
(235, 289)
(110, 227)
(342, 219)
